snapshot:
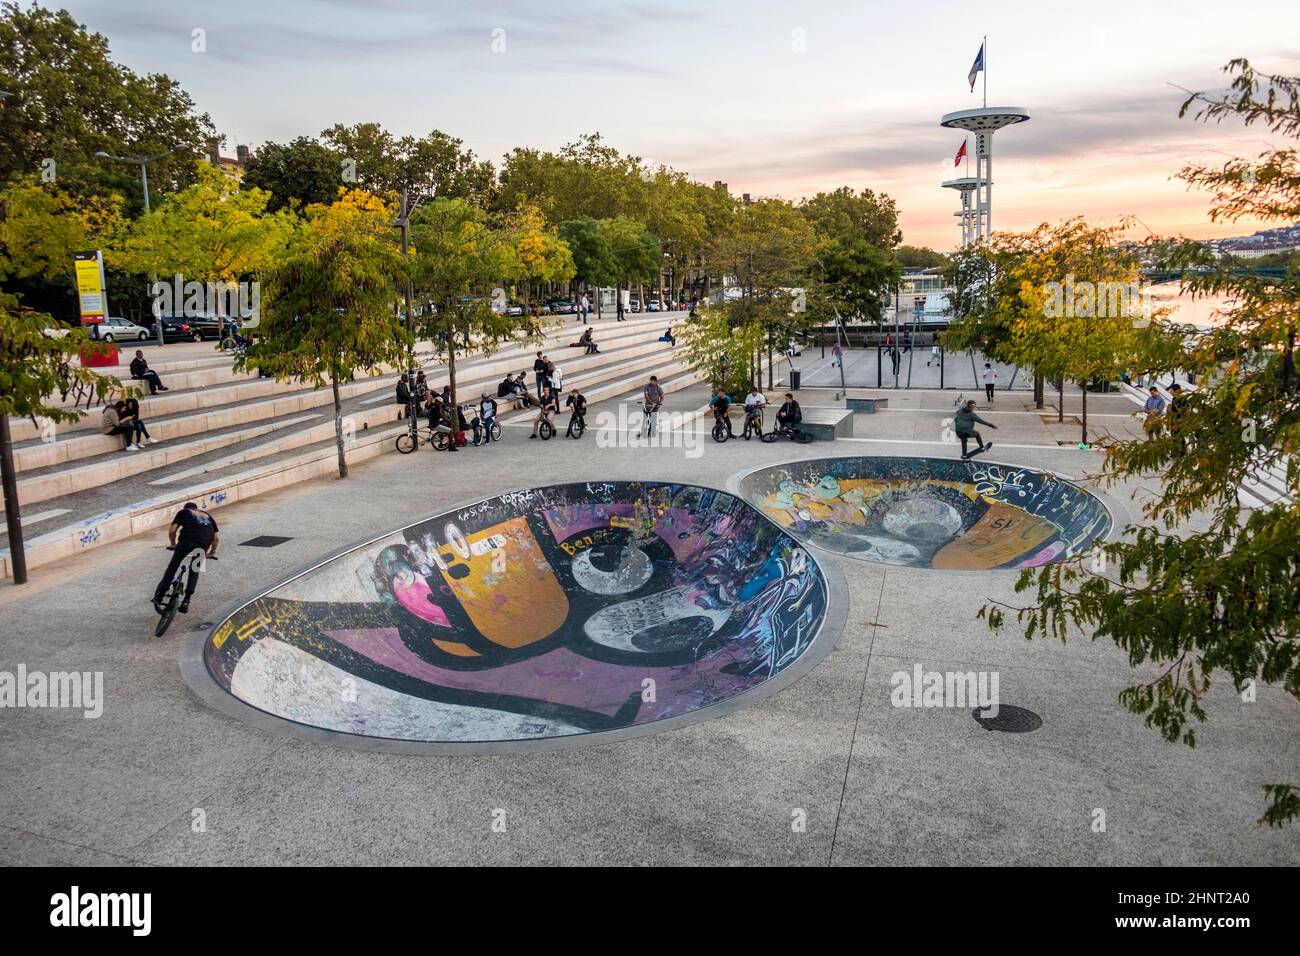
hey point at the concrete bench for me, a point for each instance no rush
(827, 424)
(868, 405)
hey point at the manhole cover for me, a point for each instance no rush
(264, 541)
(1009, 719)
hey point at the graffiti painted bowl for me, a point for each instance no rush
(930, 512)
(548, 614)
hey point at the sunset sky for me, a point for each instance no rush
(773, 98)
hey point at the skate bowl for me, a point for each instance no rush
(555, 616)
(930, 512)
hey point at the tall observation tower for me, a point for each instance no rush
(966, 185)
(983, 121)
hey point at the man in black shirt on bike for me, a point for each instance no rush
(721, 405)
(789, 414)
(578, 402)
(191, 528)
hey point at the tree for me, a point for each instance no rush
(852, 278)
(212, 231)
(43, 227)
(635, 251)
(540, 255)
(436, 164)
(844, 214)
(719, 348)
(33, 366)
(1201, 587)
(297, 174)
(768, 253)
(594, 261)
(460, 254)
(920, 257)
(327, 311)
(70, 100)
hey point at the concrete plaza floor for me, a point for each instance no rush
(874, 783)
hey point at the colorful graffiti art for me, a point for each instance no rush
(570, 609)
(930, 512)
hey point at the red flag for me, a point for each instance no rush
(960, 154)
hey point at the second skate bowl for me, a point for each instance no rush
(600, 609)
(930, 512)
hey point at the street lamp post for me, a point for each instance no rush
(143, 162)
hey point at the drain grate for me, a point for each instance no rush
(1009, 719)
(264, 541)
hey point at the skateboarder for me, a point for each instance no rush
(965, 422)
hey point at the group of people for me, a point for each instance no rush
(787, 416)
(437, 406)
(122, 417)
(1159, 412)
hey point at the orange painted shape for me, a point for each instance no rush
(453, 647)
(1002, 534)
(518, 606)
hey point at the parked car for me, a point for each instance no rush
(114, 329)
(209, 326)
(653, 306)
(55, 331)
(177, 328)
(561, 307)
(514, 308)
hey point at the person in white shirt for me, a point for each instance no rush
(755, 402)
(990, 377)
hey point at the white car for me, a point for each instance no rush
(114, 329)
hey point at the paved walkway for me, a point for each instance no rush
(874, 783)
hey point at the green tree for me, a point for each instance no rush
(33, 367)
(539, 253)
(594, 261)
(920, 257)
(460, 255)
(296, 174)
(635, 249)
(212, 231)
(433, 165)
(1202, 586)
(327, 309)
(768, 253)
(844, 214)
(70, 100)
(43, 227)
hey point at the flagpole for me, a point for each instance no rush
(986, 69)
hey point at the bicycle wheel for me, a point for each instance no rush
(496, 430)
(168, 613)
(545, 430)
(480, 437)
(719, 432)
(407, 443)
(801, 437)
(770, 437)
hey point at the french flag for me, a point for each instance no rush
(976, 67)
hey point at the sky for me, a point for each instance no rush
(773, 98)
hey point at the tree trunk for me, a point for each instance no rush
(338, 424)
(1084, 437)
(1060, 399)
(1038, 391)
